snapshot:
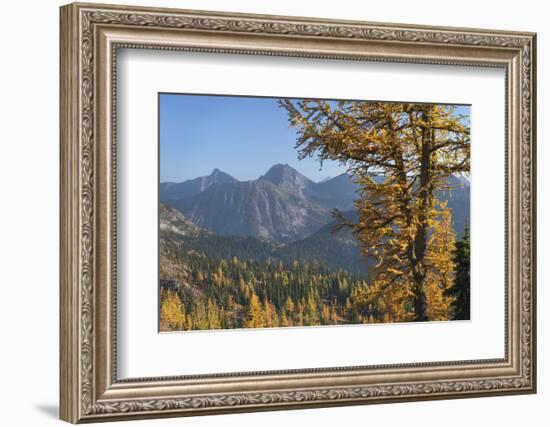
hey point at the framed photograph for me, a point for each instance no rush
(265, 213)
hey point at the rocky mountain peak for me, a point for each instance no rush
(285, 175)
(218, 176)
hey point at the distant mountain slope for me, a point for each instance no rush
(332, 251)
(282, 205)
(458, 200)
(171, 221)
(261, 208)
(338, 192)
(182, 190)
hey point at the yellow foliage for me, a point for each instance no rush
(441, 274)
(325, 315)
(284, 320)
(400, 156)
(213, 316)
(172, 313)
(255, 317)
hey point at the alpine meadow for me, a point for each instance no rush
(285, 212)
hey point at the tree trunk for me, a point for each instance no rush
(419, 247)
(420, 305)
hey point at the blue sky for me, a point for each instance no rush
(243, 136)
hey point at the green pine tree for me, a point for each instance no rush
(461, 288)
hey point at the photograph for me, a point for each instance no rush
(284, 212)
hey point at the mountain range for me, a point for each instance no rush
(282, 206)
(189, 188)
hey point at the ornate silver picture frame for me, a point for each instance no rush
(91, 36)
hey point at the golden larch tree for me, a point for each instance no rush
(214, 321)
(255, 316)
(400, 155)
(172, 312)
(441, 272)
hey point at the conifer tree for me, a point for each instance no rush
(255, 316)
(275, 320)
(299, 315)
(289, 307)
(268, 314)
(460, 290)
(213, 316)
(334, 319)
(172, 313)
(224, 319)
(441, 274)
(312, 314)
(200, 315)
(325, 315)
(400, 155)
(284, 320)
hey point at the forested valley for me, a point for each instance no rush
(212, 289)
